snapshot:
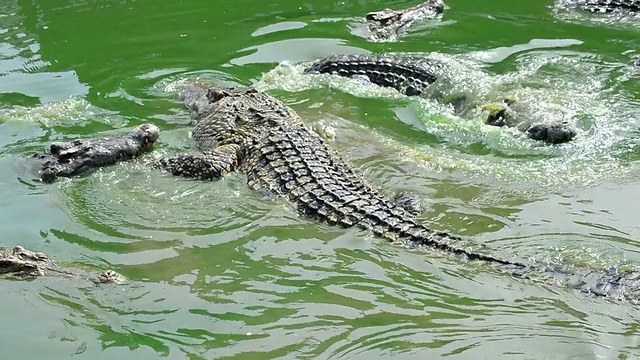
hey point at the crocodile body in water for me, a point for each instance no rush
(20, 263)
(415, 76)
(251, 132)
(389, 25)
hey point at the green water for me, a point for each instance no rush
(217, 271)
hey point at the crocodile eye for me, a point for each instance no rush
(215, 95)
(240, 120)
(18, 250)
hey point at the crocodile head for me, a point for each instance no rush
(21, 263)
(146, 135)
(110, 277)
(387, 25)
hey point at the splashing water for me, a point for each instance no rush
(70, 112)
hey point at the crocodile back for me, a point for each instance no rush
(409, 75)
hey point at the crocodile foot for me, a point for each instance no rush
(409, 202)
(81, 157)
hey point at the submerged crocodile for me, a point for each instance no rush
(602, 6)
(416, 76)
(251, 132)
(389, 25)
(20, 263)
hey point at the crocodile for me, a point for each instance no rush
(416, 76)
(20, 263)
(245, 130)
(603, 6)
(389, 25)
(81, 157)
(248, 131)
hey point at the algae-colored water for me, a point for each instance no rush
(218, 271)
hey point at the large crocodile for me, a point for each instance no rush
(20, 263)
(415, 76)
(251, 132)
(389, 25)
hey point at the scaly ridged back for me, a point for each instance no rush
(410, 76)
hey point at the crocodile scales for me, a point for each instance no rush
(250, 131)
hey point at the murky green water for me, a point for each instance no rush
(217, 271)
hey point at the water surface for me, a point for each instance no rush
(218, 271)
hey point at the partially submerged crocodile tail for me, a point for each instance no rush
(615, 284)
(394, 226)
(612, 283)
(410, 76)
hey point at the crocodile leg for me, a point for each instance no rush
(210, 165)
(409, 202)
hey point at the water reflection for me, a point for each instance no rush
(22, 66)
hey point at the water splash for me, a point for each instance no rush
(70, 112)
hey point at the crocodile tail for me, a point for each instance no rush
(410, 76)
(615, 284)
(392, 224)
